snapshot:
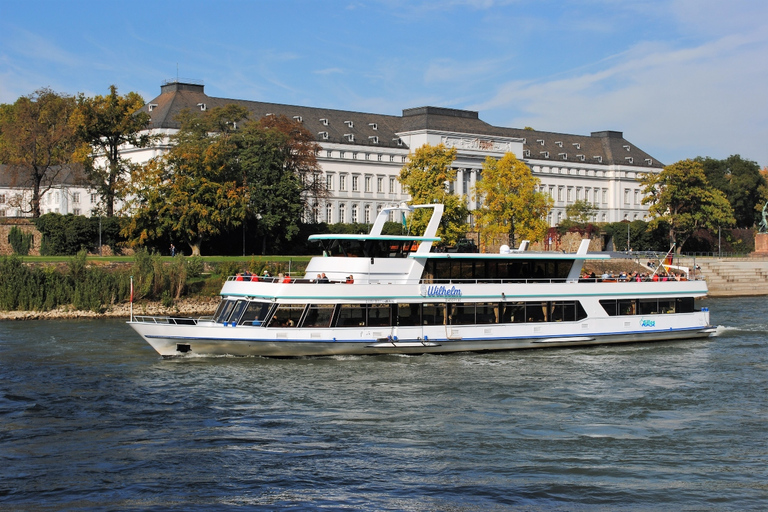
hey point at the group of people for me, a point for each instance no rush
(247, 276)
(634, 276)
(281, 278)
(322, 278)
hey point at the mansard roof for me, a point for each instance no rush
(380, 130)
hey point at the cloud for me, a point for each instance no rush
(678, 100)
(329, 71)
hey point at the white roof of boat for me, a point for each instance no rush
(374, 237)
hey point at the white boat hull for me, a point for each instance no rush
(207, 338)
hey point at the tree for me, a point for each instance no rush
(681, 196)
(196, 189)
(740, 180)
(299, 158)
(275, 166)
(37, 143)
(427, 177)
(105, 125)
(580, 211)
(510, 203)
(222, 170)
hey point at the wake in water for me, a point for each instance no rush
(727, 329)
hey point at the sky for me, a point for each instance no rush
(680, 78)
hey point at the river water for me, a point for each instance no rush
(92, 419)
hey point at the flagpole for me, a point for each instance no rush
(131, 298)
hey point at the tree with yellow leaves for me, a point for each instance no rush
(510, 203)
(427, 177)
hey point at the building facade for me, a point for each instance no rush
(362, 153)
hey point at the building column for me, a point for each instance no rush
(472, 184)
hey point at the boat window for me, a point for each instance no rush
(318, 315)
(514, 312)
(433, 314)
(408, 314)
(237, 311)
(567, 311)
(536, 311)
(225, 309)
(685, 305)
(648, 306)
(255, 313)
(491, 270)
(461, 314)
(487, 313)
(666, 306)
(627, 307)
(610, 307)
(379, 315)
(624, 306)
(219, 309)
(287, 315)
(351, 315)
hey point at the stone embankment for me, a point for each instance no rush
(190, 307)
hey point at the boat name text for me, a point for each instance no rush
(443, 291)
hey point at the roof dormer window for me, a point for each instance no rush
(373, 126)
(203, 106)
(298, 118)
(349, 123)
(324, 121)
(151, 106)
(323, 135)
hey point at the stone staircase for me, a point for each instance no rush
(732, 276)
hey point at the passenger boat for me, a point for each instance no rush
(382, 294)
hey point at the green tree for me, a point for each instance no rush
(580, 211)
(280, 171)
(741, 182)
(196, 189)
(37, 142)
(510, 203)
(105, 125)
(427, 177)
(681, 196)
(222, 170)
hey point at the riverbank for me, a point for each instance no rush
(192, 307)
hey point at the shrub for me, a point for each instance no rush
(20, 242)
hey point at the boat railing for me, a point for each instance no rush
(285, 280)
(166, 320)
(583, 279)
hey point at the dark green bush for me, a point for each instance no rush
(20, 242)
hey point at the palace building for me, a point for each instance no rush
(362, 153)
